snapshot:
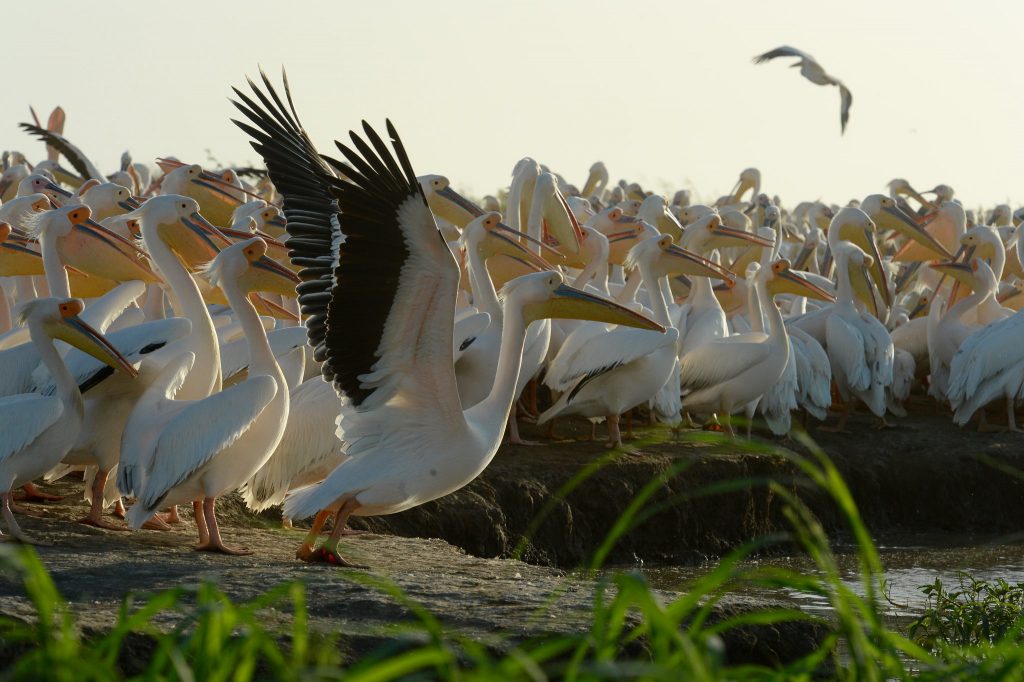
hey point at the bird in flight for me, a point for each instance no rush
(813, 71)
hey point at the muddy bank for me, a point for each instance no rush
(495, 602)
(924, 475)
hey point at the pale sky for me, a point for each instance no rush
(663, 92)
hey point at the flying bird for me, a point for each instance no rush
(813, 71)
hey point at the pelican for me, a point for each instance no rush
(201, 449)
(946, 333)
(989, 365)
(813, 71)
(605, 374)
(382, 322)
(859, 347)
(37, 430)
(724, 375)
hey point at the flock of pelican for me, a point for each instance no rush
(344, 337)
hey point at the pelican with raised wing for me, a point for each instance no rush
(381, 300)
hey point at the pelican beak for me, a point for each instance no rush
(896, 219)
(560, 223)
(950, 267)
(615, 237)
(803, 257)
(267, 307)
(199, 243)
(569, 303)
(56, 189)
(794, 282)
(877, 268)
(864, 289)
(269, 276)
(97, 251)
(499, 243)
(911, 192)
(515, 235)
(130, 204)
(217, 186)
(453, 207)
(278, 222)
(73, 331)
(695, 265)
(5, 232)
(918, 309)
(724, 237)
(959, 270)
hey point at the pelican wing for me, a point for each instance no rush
(606, 351)
(846, 347)
(845, 100)
(784, 51)
(384, 315)
(712, 363)
(23, 418)
(202, 430)
(309, 443)
(79, 161)
(983, 359)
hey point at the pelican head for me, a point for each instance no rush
(39, 183)
(663, 258)
(545, 295)
(58, 318)
(942, 193)
(107, 199)
(597, 179)
(887, 215)
(246, 266)
(974, 273)
(446, 203)
(899, 187)
(718, 235)
(856, 226)
(493, 238)
(784, 280)
(175, 219)
(750, 179)
(11, 177)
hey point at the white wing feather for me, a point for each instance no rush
(722, 359)
(23, 418)
(309, 442)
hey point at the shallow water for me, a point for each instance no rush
(909, 563)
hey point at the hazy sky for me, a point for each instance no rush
(663, 92)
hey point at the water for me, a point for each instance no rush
(908, 563)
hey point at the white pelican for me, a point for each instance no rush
(605, 374)
(989, 365)
(724, 375)
(383, 322)
(813, 71)
(310, 448)
(859, 347)
(483, 237)
(201, 449)
(37, 430)
(947, 332)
